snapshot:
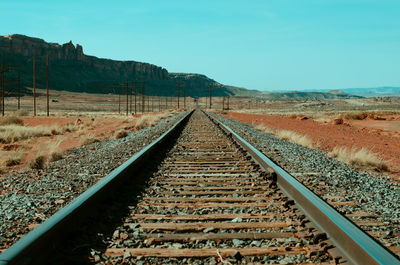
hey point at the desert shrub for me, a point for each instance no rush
(55, 155)
(8, 120)
(145, 121)
(22, 112)
(149, 120)
(88, 139)
(354, 116)
(38, 162)
(13, 132)
(362, 158)
(120, 134)
(265, 128)
(294, 137)
(287, 135)
(14, 158)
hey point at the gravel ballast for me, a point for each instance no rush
(372, 193)
(29, 197)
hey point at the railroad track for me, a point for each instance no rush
(210, 198)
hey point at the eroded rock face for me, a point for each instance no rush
(28, 46)
(72, 70)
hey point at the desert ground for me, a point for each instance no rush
(75, 119)
(370, 124)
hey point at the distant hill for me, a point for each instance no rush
(243, 92)
(387, 91)
(72, 70)
(334, 94)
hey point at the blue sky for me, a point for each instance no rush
(264, 44)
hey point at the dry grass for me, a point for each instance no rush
(88, 139)
(55, 155)
(362, 158)
(38, 162)
(53, 150)
(354, 116)
(120, 134)
(149, 120)
(13, 158)
(13, 133)
(8, 120)
(22, 112)
(287, 135)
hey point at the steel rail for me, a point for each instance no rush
(357, 246)
(28, 249)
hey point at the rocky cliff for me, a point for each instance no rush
(71, 69)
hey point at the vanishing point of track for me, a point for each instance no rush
(209, 201)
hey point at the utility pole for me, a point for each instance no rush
(228, 102)
(134, 87)
(119, 101)
(130, 98)
(47, 86)
(159, 103)
(166, 102)
(143, 97)
(148, 103)
(127, 98)
(135, 95)
(19, 88)
(184, 95)
(2, 87)
(223, 103)
(178, 84)
(34, 87)
(210, 95)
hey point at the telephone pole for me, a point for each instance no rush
(34, 87)
(178, 84)
(19, 88)
(210, 95)
(127, 98)
(130, 98)
(119, 101)
(143, 97)
(2, 87)
(135, 95)
(184, 95)
(47, 86)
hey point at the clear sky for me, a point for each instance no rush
(264, 44)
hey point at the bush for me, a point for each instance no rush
(13, 159)
(287, 135)
(54, 156)
(38, 162)
(120, 134)
(362, 158)
(88, 139)
(15, 132)
(8, 120)
(354, 116)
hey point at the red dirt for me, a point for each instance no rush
(364, 133)
(46, 121)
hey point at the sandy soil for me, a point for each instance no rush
(382, 137)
